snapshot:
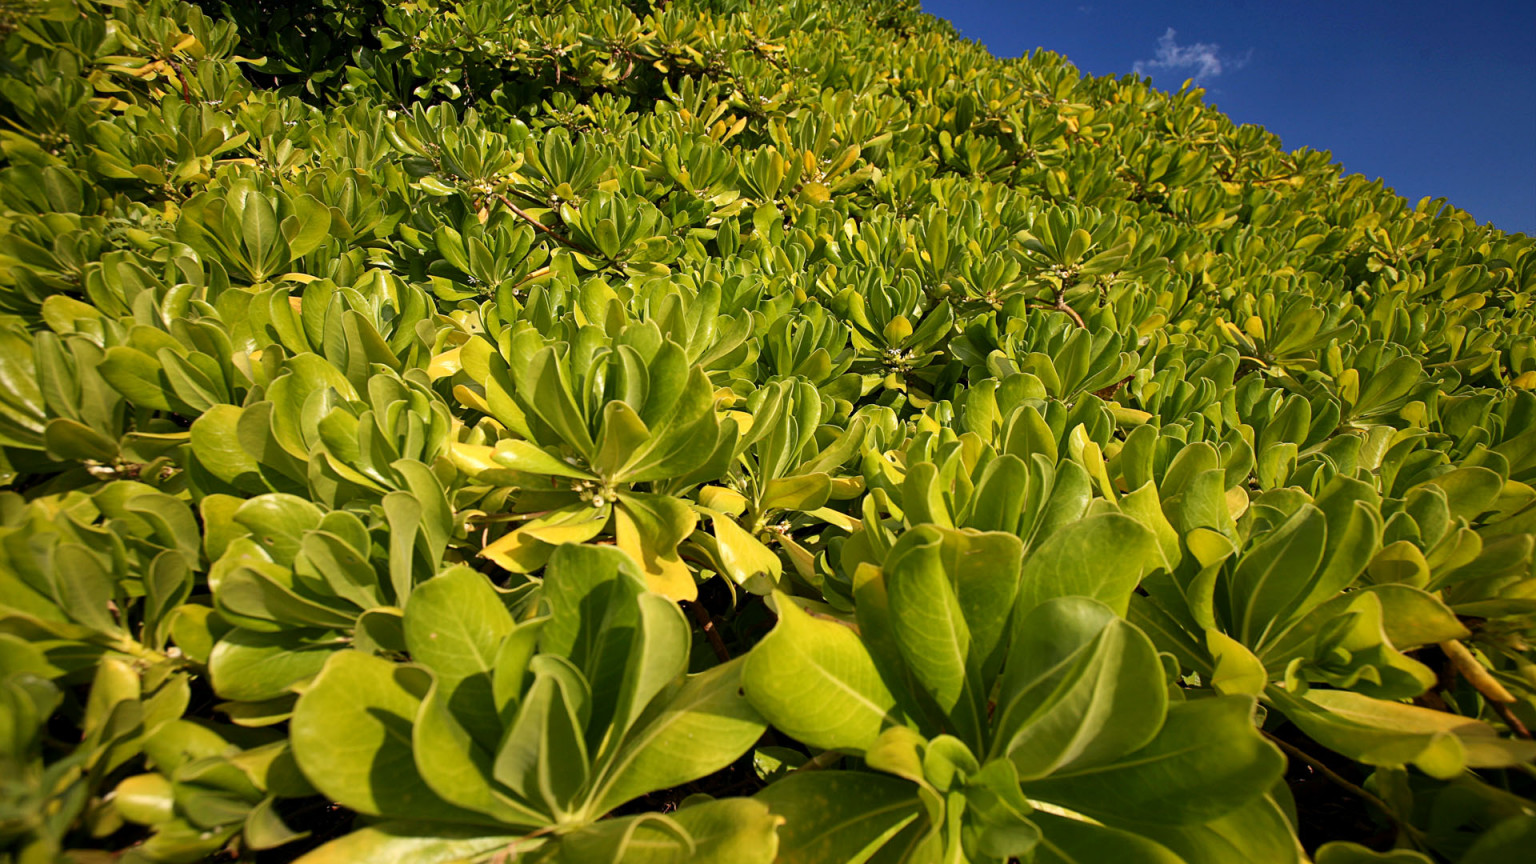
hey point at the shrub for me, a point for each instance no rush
(599, 431)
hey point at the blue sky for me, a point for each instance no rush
(1437, 99)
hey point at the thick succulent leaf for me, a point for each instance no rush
(847, 816)
(252, 667)
(1103, 557)
(1345, 852)
(1075, 841)
(1257, 831)
(649, 528)
(351, 733)
(932, 633)
(814, 680)
(742, 557)
(727, 831)
(1081, 688)
(404, 842)
(454, 625)
(1382, 732)
(1273, 573)
(459, 768)
(543, 756)
(596, 623)
(1206, 761)
(657, 657)
(693, 729)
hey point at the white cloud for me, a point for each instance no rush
(1203, 59)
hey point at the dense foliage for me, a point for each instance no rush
(603, 431)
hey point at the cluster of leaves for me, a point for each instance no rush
(716, 431)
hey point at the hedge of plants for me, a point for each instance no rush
(725, 432)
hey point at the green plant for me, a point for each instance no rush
(614, 430)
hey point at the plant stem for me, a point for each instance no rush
(1060, 306)
(1338, 780)
(707, 624)
(540, 226)
(1483, 681)
(1514, 723)
(533, 277)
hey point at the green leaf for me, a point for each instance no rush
(1257, 831)
(1081, 688)
(258, 223)
(1399, 563)
(700, 726)
(1380, 732)
(71, 441)
(1072, 841)
(595, 621)
(728, 831)
(543, 384)
(525, 456)
(277, 523)
(1237, 671)
(311, 225)
(930, 630)
(681, 419)
(846, 816)
(454, 625)
(1206, 761)
(351, 733)
(403, 512)
(259, 595)
(814, 680)
(1344, 852)
(458, 768)
(264, 828)
(137, 376)
(658, 656)
(545, 757)
(1414, 618)
(410, 843)
(801, 492)
(649, 528)
(147, 799)
(1469, 490)
(1274, 572)
(528, 548)
(333, 565)
(252, 667)
(1104, 557)
(1506, 841)
(216, 447)
(744, 558)
(623, 434)
(195, 630)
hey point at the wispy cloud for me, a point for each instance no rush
(1203, 60)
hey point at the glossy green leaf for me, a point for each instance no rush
(253, 667)
(814, 680)
(727, 831)
(351, 733)
(1206, 761)
(399, 842)
(693, 729)
(1073, 841)
(1071, 563)
(1080, 688)
(846, 816)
